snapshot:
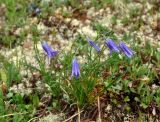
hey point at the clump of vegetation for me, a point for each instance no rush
(83, 81)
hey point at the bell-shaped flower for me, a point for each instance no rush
(112, 46)
(50, 52)
(75, 68)
(96, 47)
(126, 50)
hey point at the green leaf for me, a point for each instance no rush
(126, 99)
(144, 105)
(9, 95)
(3, 76)
(17, 118)
(35, 100)
(137, 99)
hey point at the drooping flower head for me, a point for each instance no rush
(50, 52)
(33, 9)
(112, 46)
(96, 47)
(37, 11)
(75, 68)
(126, 50)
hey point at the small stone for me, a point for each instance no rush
(88, 31)
(87, 2)
(67, 20)
(45, 1)
(108, 10)
(75, 22)
(91, 12)
(14, 88)
(27, 44)
(101, 11)
(154, 87)
(39, 46)
(52, 118)
(108, 108)
(87, 22)
(34, 20)
(3, 9)
(154, 111)
(41, 27)
(18, 31)
(21, 86)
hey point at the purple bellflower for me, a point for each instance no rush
(112, 46)
(93, 44)
(33, 9)
(75, 68)
(37, 11)
(50, 52)
(126, 50)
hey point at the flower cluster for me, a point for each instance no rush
(109, 43)
(122, 46)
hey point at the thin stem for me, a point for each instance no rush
(79, 114)
(12, 114)
(99, 110)
(72, 116)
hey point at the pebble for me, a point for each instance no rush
(154, 111)
(87, 22)
(90, 12)
(33, 20)
(87, 31)
(108, 108)
(75, 22)
(67, 20)
(52, 118)
(42, 28)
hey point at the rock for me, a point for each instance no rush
(87, 30)
(154, 111)
(41, 27)
(91, 12)
(108, 108)
(87, 22)
(67, 20)
(34, 20)
(101, 12)
(75, 22)
(3, 9)
(52, 118)
(87, 2)
(45, 1)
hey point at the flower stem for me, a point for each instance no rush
(99, 110)
(79, 114)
